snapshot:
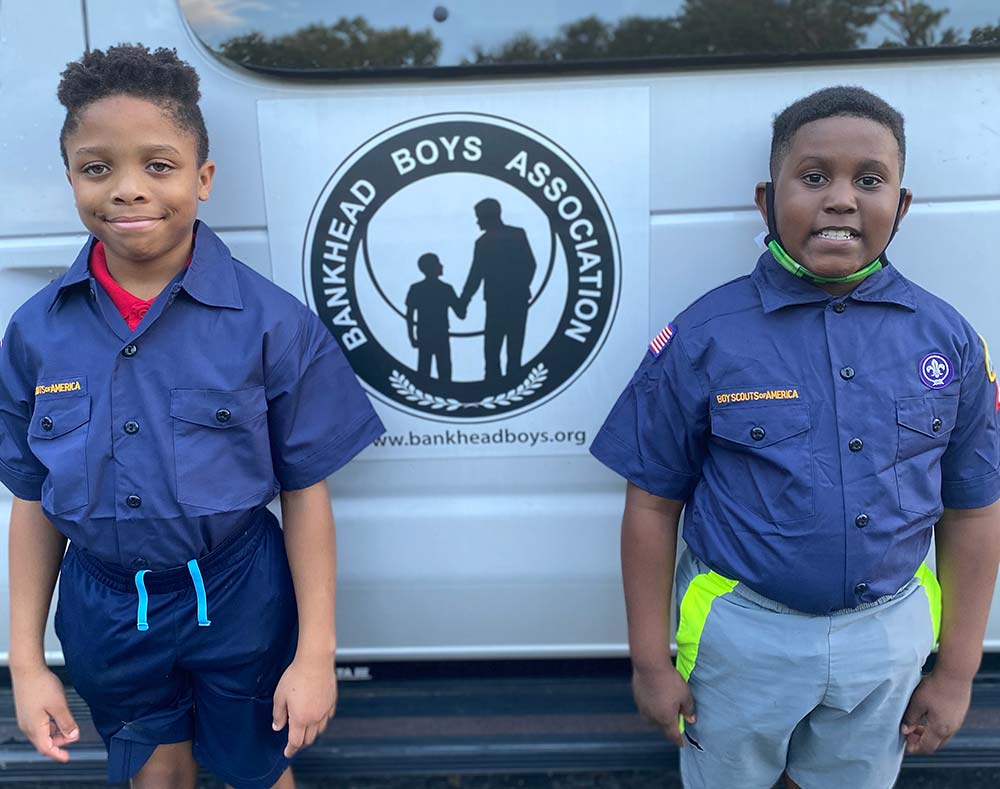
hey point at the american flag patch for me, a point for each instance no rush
(662, 340)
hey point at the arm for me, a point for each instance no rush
(529, 258)
(968, 550)
(457, 305)
(411, 324)
(306, 696)
(474, 279)
(649, 545)
(36, 551)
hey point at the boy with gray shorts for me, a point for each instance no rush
(819, 419)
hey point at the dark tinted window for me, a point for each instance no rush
(329, 36)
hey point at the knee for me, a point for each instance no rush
(176, 773)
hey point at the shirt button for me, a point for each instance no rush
(223, 415)
(45, 423)
(861, 521)
(757, 434)
(130, 350)
(133, 501)
(855, 444)
(847, 373)
(936, 425)
(839, 307)
(860, 589)
(138, 562)
(131, 427)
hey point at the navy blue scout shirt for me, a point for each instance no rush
(148, 448)
(815, 439)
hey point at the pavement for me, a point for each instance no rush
(957, 778)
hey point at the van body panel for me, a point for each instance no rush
(514, 556)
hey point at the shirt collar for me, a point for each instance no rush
(779, 288)
(210, 278)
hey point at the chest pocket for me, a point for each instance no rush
(763, 457)
(57, 436)
(222, 453)
(925, 424)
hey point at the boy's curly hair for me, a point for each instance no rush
(158, 76)
(842, 100)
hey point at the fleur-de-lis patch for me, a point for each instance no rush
(936, 370)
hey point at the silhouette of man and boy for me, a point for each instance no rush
(504, 265)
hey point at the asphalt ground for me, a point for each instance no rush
(958, 778)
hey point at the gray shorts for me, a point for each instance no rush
(776, 689)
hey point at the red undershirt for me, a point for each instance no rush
(132, 308)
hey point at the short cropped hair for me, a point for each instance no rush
(158, 76)
(842, 100)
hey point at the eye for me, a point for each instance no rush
(95, 168)
(160, 167)
(869, 181)
(814, 179)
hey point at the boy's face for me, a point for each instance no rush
(136, 178)
(836, 194)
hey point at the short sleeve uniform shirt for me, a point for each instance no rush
(815, 439)
(148, 448)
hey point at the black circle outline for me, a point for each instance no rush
(612, 313)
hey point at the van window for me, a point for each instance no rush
(333, 39)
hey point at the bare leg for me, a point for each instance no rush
(170, 767)
(286, 781)
(789, 783)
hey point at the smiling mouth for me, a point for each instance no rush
(837, 234)
(133, 222)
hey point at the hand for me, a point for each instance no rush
(662, 696)
(42, 712)
(935, 712)
(305, 699)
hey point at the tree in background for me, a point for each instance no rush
(701, 27)
(914, 24)
(346, 44)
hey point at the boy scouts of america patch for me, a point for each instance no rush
(936, 371)
(662, 340)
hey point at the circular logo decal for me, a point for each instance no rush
(936, 370)
(466, 264)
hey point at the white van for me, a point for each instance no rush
(624, 137)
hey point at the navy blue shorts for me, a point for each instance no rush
(179, 680)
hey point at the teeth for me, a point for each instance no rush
(837, 235)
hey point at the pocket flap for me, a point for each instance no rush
(210, 408)
(740, 425)
(923, 414)
(57, 416)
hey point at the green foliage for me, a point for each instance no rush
(986, 35)
(346, 44)
(701, 27)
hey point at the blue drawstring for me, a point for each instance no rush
(199, 590)
(140, 584)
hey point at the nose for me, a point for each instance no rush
(840, 197)
(128, 187)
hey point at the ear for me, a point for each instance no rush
(760, 198)
(206, 175)
(904, 204)
(69, 178)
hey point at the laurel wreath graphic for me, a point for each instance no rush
(407, 389)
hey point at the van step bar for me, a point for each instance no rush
(484, 717)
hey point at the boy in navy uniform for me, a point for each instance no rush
(153, 400)
(818, 419)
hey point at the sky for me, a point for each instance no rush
(470, 22)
